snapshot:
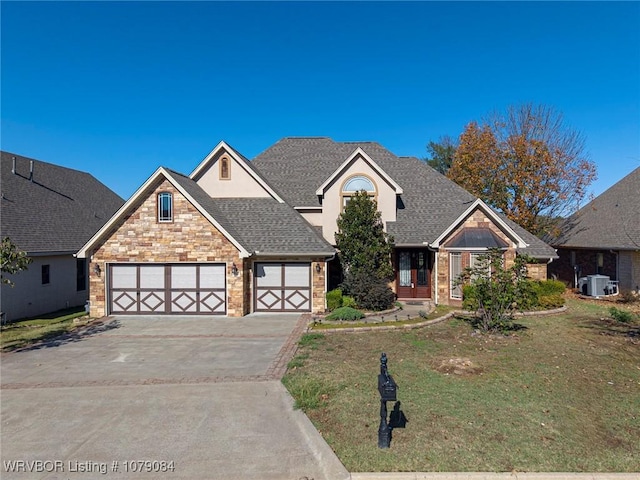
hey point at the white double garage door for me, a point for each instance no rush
(201, 289)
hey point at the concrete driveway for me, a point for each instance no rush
(160, 397)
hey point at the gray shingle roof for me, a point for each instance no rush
(56, 212)
(270, 227)
(610, 221)
(261, 225)
(296, 167)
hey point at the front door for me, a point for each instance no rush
(413, 270)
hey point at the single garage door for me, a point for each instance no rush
(282, 287)
(155, 289)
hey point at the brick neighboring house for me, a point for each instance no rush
(603, 237)
(237, 236)
(49, 211)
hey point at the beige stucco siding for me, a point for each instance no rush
(189, 238)
(332, 201)
(314, 217)
(239, 185)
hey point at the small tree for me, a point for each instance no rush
(496, 292)
(12, 260)
(365, 253)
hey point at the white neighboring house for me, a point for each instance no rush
(49, 212)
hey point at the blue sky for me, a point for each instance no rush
(118, 88)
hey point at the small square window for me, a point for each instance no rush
(165, 207)
(45, 275)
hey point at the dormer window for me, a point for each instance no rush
(165, 207)
(357, 184)
(225, 173)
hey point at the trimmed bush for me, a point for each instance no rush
(334, 299)
(345, 313)
(549, 302)
(369, 291)
(545, 288)
(349, 302)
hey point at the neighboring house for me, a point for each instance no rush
(603, 237)
(49, 212)
(238, 236)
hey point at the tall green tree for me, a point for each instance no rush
(527, 163)
(12, 260)
(364, 250)
(441, 153)
(361, 240)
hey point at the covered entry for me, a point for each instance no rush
(282, 287)
(154, 288)
(413, 267)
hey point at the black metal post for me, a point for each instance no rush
(384, 384)
(384, 432)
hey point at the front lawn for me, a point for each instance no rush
(26, 332)
(563, 394)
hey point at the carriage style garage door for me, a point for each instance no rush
(154, 289)
(282, 287)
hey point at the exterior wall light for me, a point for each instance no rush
(318, 268)
(234, 270)
(96, 269)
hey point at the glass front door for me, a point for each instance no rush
(413, 268)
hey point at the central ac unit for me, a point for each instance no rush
(596, 285)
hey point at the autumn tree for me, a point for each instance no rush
(12, 260)
(526, 163)
(441, 153)
(364, 250)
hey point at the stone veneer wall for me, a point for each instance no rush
(477, 219)
(189, 238)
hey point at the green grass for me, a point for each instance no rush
(563, 394)
(26, 332)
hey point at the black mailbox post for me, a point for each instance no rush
(388, 393)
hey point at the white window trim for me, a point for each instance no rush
(453, 277)
(168, 195)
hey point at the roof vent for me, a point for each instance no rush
(13, 169)
(31, 170)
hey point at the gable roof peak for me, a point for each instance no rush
(358, 152)
(224, 147)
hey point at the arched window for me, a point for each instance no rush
(165, 207)
(357, 184)
(225, 173)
